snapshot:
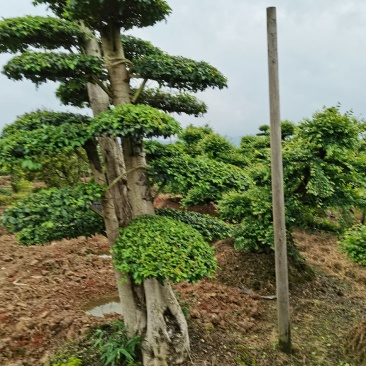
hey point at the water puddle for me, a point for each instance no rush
(103, 306)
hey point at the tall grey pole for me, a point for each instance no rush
(279, 225)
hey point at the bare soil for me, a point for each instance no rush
(43, 291)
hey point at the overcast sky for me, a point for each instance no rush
(322, 49)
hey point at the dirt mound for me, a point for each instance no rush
(42, 293)
(216, 305)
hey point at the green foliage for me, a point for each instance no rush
(202, 141)
(209, 227)
(199, 180)
(105, 344)
(255, 147)
(323, 168)
(136, 121)
(114, 346)
(42, 132)
(329, 129)
(20, 34)
(287, 130)
(135, 48)
(55, 214)
(214, 146)
(40, 67)
(234, 206)
(255, 235)
(123, 13)
(178, 103)
(62, 170)
(74, 93)
(72, 361)
(34, 120)
(323, 162)
(179, 72)
(20, 188)
(192, 135)
(353, 243)
(155, 150)
(162, 248)
(253, 209)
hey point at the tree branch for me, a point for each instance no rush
(124, 175)
(102, 86)
(139, 91)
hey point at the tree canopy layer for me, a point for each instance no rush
(179, 72)
(22, 34)
(125, 14)
(43, 132)
(40, 67)
(137, 121)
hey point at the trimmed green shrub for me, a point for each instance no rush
(163, 248)
(233, 206)
(55, 214)
(353, 243)
(214, 145)
(209, 227)
(199, 180)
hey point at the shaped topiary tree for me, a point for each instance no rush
(88, 79)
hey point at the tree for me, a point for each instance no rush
(324, 164)
(86, 30)
(324, 161)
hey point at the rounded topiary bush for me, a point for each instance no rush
(55, 214)
(162, 248)
(353, 243)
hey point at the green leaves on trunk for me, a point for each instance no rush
(137, 121)
(20, 34)
(74, 70)
(168, 102)
(123, 13)
(150, 62)
(74, 93)
(40, 67)
(135, 48)
(49, 133)
(179, 72)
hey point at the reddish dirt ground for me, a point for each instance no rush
(44, 290)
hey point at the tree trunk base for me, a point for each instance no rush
(166, 341)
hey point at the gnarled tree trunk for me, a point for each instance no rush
(151, 310)
(115, 203)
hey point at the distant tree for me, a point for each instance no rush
(287, 130)
(324, 164)
(192, 136)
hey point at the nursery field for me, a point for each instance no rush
(44, 291)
